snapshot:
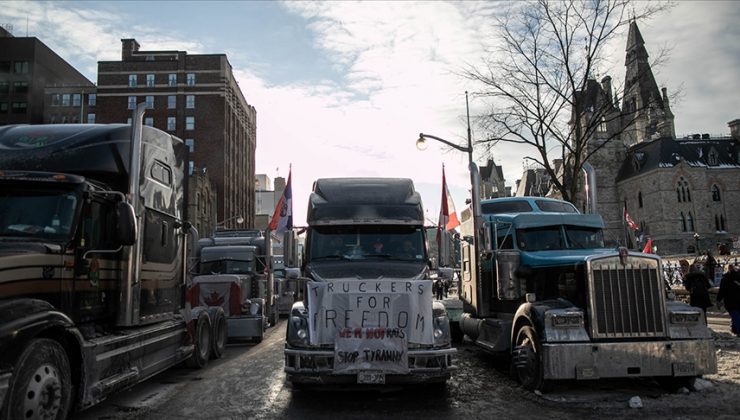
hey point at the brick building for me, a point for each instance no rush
(27, 68)
(683, 192)
(196, 98)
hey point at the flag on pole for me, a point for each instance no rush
(648, 247)
(282, 219)
(631, 223)
(447, 215)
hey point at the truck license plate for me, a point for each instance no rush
(370, 377)
(684, 369)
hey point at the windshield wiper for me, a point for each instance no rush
(330, 257)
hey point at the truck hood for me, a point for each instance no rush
(366, 270)
(561, 257)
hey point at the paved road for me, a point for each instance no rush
(249, 383)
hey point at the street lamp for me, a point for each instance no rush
(239, 220)
(696, 238)
(421, 144)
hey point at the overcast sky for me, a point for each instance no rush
(343, 89)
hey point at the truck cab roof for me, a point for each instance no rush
(526, 205)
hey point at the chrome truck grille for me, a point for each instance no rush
(627, 297)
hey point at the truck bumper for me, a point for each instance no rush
(620, 360)
(245, 327)
(317, 367)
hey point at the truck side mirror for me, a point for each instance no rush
(126, 223)
(292, 273)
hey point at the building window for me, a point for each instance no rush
(132, 102)
(149, 102)
(190, 123)
(722, 222)
(19, 107)
(4, 87)
(133, 80)
(66, 99)
(712, 157)
(91, 118)
(190, 101)
(129, 121)
(149, 121)
(715, 193)
(20, 87)
(171, 102)
(191, 144)
(76, 99)
(716, 223)
(602, 126)
(4, 66)
(691, 223)
(678, 195)
(639, 199)
(150, 80)
(172, 79)
(190, 79)
(4, 107)
(92, 99)
(56, 99)
(171, 123)
(21, 67)
(191, 167)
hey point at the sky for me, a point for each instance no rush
(344, 88)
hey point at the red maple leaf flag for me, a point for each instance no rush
(282, 219)
(631, 223)
(648, 247)
(447, 215)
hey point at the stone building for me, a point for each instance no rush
(680, 191)
(492, 181)
(196, 98)
(27, 68)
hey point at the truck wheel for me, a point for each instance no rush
(219, 333)
(41, 386)
(201, 341)
(527, 360)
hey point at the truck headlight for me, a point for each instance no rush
(567, 319)
(297, 335)
(685, 317)
(254, 308)
(441, 330)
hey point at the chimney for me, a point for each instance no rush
(735, 128)
(606, 84)
(128, 48)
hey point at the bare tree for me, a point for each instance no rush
(540, 81)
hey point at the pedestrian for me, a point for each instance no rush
(446, 285)
(709, 266)
(729, 294)
(697, 284)
(440, 288)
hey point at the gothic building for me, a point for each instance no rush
(680, 191)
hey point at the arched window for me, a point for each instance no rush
(683, 193)
(691, 223)
(722, 222)
(683, 222)
(678, 195)
(715, 193)
(639, 199)
(688, 192)
(716, 222)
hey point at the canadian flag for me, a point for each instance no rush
(631, 223)
(648, 247)
(282, 219)
(447, 215)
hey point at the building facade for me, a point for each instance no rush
(493, 184)
(27, 68)
(267, 198)
(196, 98)
(681, 192)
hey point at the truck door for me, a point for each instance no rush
(507, 260)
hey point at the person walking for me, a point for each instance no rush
(697, 285)
(729, 294)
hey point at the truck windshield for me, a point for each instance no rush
(367, 242)
(38, 213)
(551, 238)
(226, 267)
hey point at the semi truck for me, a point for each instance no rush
(233, 273)
(93, 272)
(548, 294)
(367, 317)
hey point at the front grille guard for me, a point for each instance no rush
(626, 297)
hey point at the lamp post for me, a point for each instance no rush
(696, 239)
(421, 144)
(239, 221)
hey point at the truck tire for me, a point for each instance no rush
(456, 332)
(201, 342)
(527, 360)
(41, 386)
(219, 332)
(674, 383)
